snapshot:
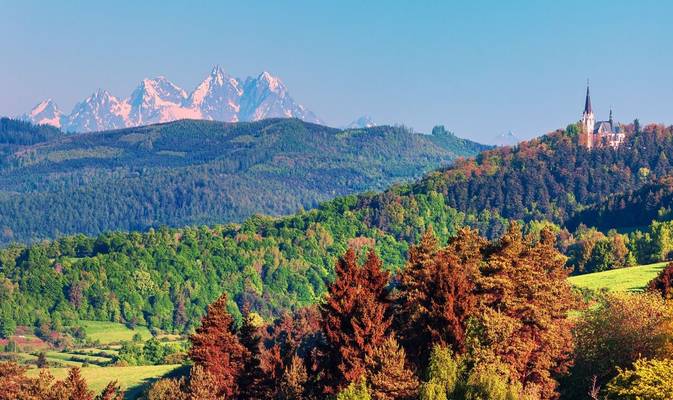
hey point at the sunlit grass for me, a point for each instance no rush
(632, 279)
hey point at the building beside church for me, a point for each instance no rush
(599, 133)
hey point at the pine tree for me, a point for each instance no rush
(111, 392)
(76, 386)
(216, 348)
(292, 386)
(252, 383)
(436, 295)
(354, 319)
(389, 376)
(524, 289)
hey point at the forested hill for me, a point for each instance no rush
(197, 172)
(550, 178)
(165, 278)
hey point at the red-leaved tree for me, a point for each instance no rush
(436, 294)
(216, 348)
(354, 319)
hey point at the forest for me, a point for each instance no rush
(471, 319)
(275, 264)
(197, 172)
(452, 300)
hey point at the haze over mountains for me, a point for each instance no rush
(218, 97)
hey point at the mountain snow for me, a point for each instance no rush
(364, 121)
(218, 97)
(45, 113)
(506, 139)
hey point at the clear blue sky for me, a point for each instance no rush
(481, 68)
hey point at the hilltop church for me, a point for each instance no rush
(599, 133)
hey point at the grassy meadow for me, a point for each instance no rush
(132, 379)
(632, 279)
(112, 332)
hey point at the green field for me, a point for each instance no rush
(632, 279)
(112, 332)
(132, 379)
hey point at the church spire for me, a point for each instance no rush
(587, 102)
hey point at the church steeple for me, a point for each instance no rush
(587, 101)
(588, 122)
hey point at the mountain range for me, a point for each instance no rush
(219, 97)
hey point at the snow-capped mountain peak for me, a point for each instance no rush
(47, 112)
(218, 97)
(274, 84)
(155, 100)
(506, 139)
(364, 121)
(100, 111)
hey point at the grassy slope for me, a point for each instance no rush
(112, 332)
(133, 379)
(624, 279)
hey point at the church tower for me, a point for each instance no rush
(588, 122)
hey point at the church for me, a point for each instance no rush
(599, 133)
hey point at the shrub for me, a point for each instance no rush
(648, 379)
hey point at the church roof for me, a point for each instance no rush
(606, 127)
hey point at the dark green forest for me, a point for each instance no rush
(197, 172)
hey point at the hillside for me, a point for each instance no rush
(622, 279)
(200, 172)
(549, 178)
(631, 209)
(166, 277)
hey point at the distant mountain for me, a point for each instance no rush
(193, 172)
(219, 97)
(506, 139)
(364, 121)
(45, 113)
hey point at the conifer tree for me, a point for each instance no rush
(252, 383)
(76, 386)
(111, 392)
(354, 319)
(216, 348)
(292, 386)
(524, 289)
(388, 373)
(436, 295)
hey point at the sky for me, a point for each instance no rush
(481, 68)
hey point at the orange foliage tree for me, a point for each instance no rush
(217, 349)
(354, 319)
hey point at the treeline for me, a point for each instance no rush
(200, 172)
(16, 134)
